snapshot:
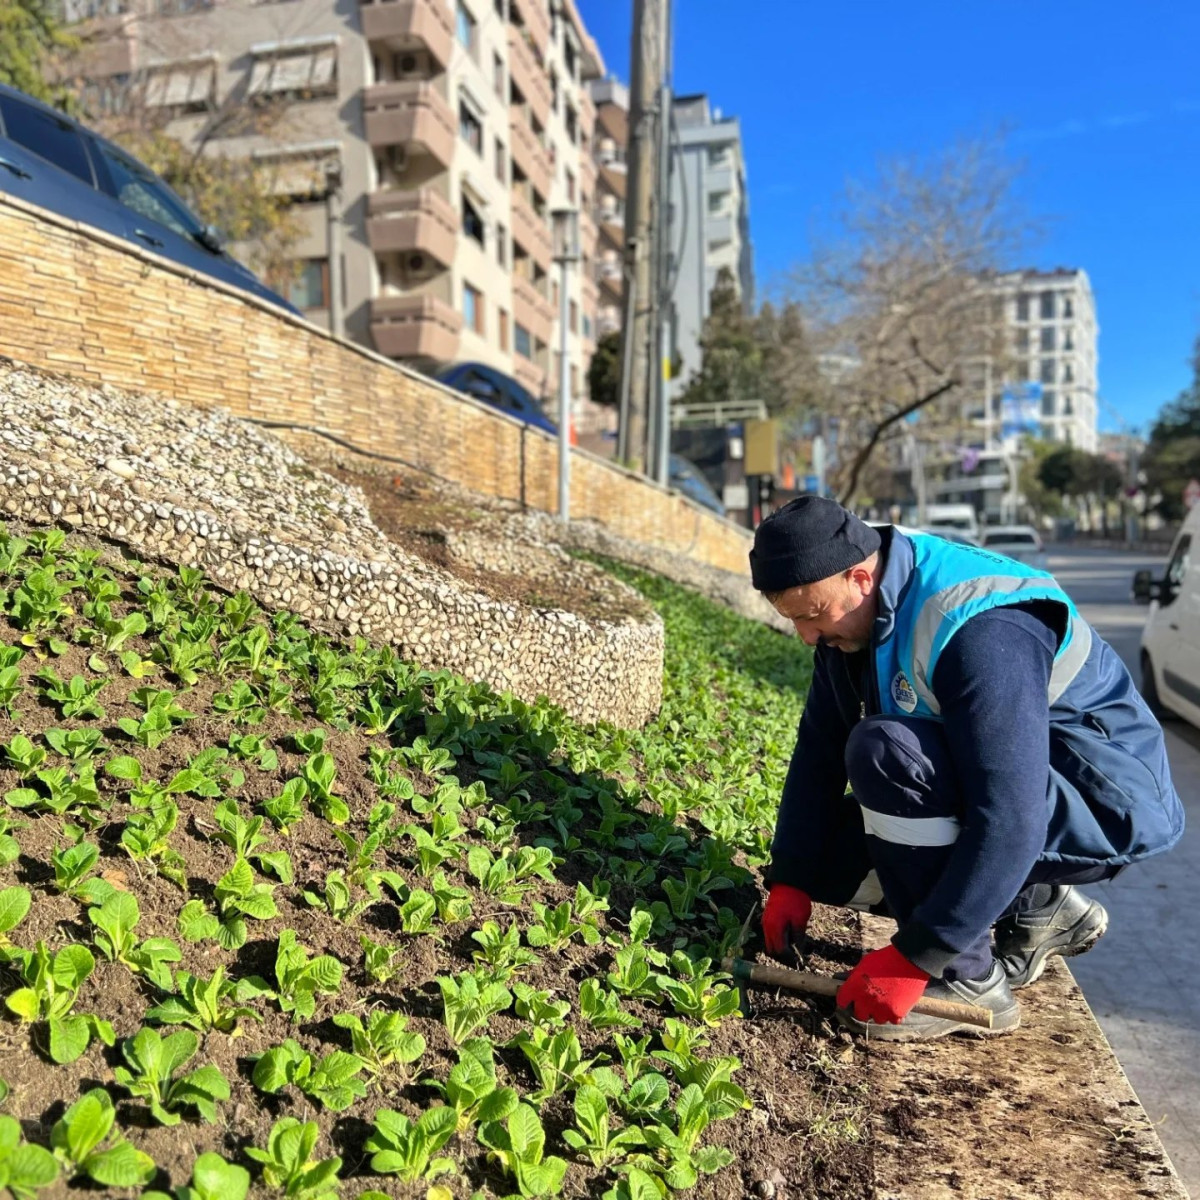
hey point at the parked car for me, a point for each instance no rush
(1021, 542)
(687, 478)
(1170, 648)
(497, 389)
(58, 164)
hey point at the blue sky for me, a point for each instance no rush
(1101, 101)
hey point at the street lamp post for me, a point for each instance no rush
(566, 252)
(333, 222)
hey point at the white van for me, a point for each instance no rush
(1170, 655)
(959, 517)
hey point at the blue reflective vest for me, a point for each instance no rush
(1110, 798)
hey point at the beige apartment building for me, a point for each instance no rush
(610, 147)
(456, 127)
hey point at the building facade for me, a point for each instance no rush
(710, 221)
(455, 128)
(610, 144)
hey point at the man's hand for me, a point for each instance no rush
(883, 987)
(785, 918)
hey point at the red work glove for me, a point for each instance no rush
(883, 987)
(785, 918)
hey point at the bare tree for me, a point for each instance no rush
(900, 307)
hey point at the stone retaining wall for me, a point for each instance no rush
(200, 488)
(76, 300)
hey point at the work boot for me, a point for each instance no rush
(991, 992)
(1068, 923)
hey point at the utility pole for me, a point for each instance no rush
(646, 53)
(660, 391)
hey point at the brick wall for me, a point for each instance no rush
(75, 300)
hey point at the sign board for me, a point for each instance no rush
(1191, 493)
(1020, 409)
(762, 448)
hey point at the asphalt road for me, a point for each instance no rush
(1141, 979)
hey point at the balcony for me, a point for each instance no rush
(530, 376)
(409, 24)
(531, 309)
(529, 76)
(531, 232)
(529, 154)
(400, 221)
(533, 16)
(412, 114)
(415, 327)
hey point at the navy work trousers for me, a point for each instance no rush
(902, 822)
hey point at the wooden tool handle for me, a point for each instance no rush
(822, 985)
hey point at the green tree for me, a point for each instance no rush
(1172, 455)
(31, 40)
(604, 371)
(732, 360)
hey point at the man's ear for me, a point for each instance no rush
(861, 578)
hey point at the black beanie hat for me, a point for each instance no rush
(809, 538)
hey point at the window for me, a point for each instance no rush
(472, 308)
(523, 343)
(498, 74)
(139, 190)
(501, 162)
(1022, 306)
(570, 56)
(1023, 371)
(587, 326)
(1068, 407)
(718, 202)
(472, 222)
(502, 245)
(1068, 338)
(83, 10)
(570, 186)
(464, 27)
(1068, 373)
(718, 156)
(571, 122)
(1048, 403)
(573, 321)
(46, 135)
(470, 128)
(554, 91)
(1068, 307)
(186, 87)
(310, 288)
(1022, 341)
(298, 72)
(1046, 373)
(503, 329)
(1047, 338)
(1177, 568)
(1046, 306)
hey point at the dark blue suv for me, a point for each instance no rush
(497, 389)
(58, 164)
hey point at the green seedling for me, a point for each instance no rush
(312, 742)
(593, 1136)
(427, 759)
(288, 1165)
(510, 876)
(299, 979)
(52, 983)
(39, 603)
(383, 1042)
(253, 747)
(74, 699)
(677, 1155)
(79, 745)
(80, 1141)
(238, 897)
(72, 873)
(438, 844)
(631, 975)
(556, 1060)
(505, 774)
(115, 920)
(380, 962)
(245, 837)
(153, 1061)
(240, 704)
(519, 1147)
(376, 717)
(471, 1089)
(320, 774)
(287, 809)
(135, 666)
(453, 903)
(63, 794)
(110, 633)
(212, 1179)
(538, 1007)
(556, 926)
(210, 1004)
(162, 717)
(648, 1097)
(23, 756)
(145, 839)
(15, 903)
(501, 951)
(695, 992)
(337, 899)
(407, 1148)
(10, 690)
(332, 1082)
(10, 848)
(468, 1001)
(218, 774)
(24, 1168)
(186, 655)
(602, 1008)
(635, 1055)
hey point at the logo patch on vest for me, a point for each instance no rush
(902, 693)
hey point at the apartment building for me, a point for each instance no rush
(1050, 320)
(710, 219)
(610, 145)
(455, 127)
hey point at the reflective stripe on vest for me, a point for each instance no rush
(1068, 662)
(911, 831)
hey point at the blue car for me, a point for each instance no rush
(501, 391)
(52, 161)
